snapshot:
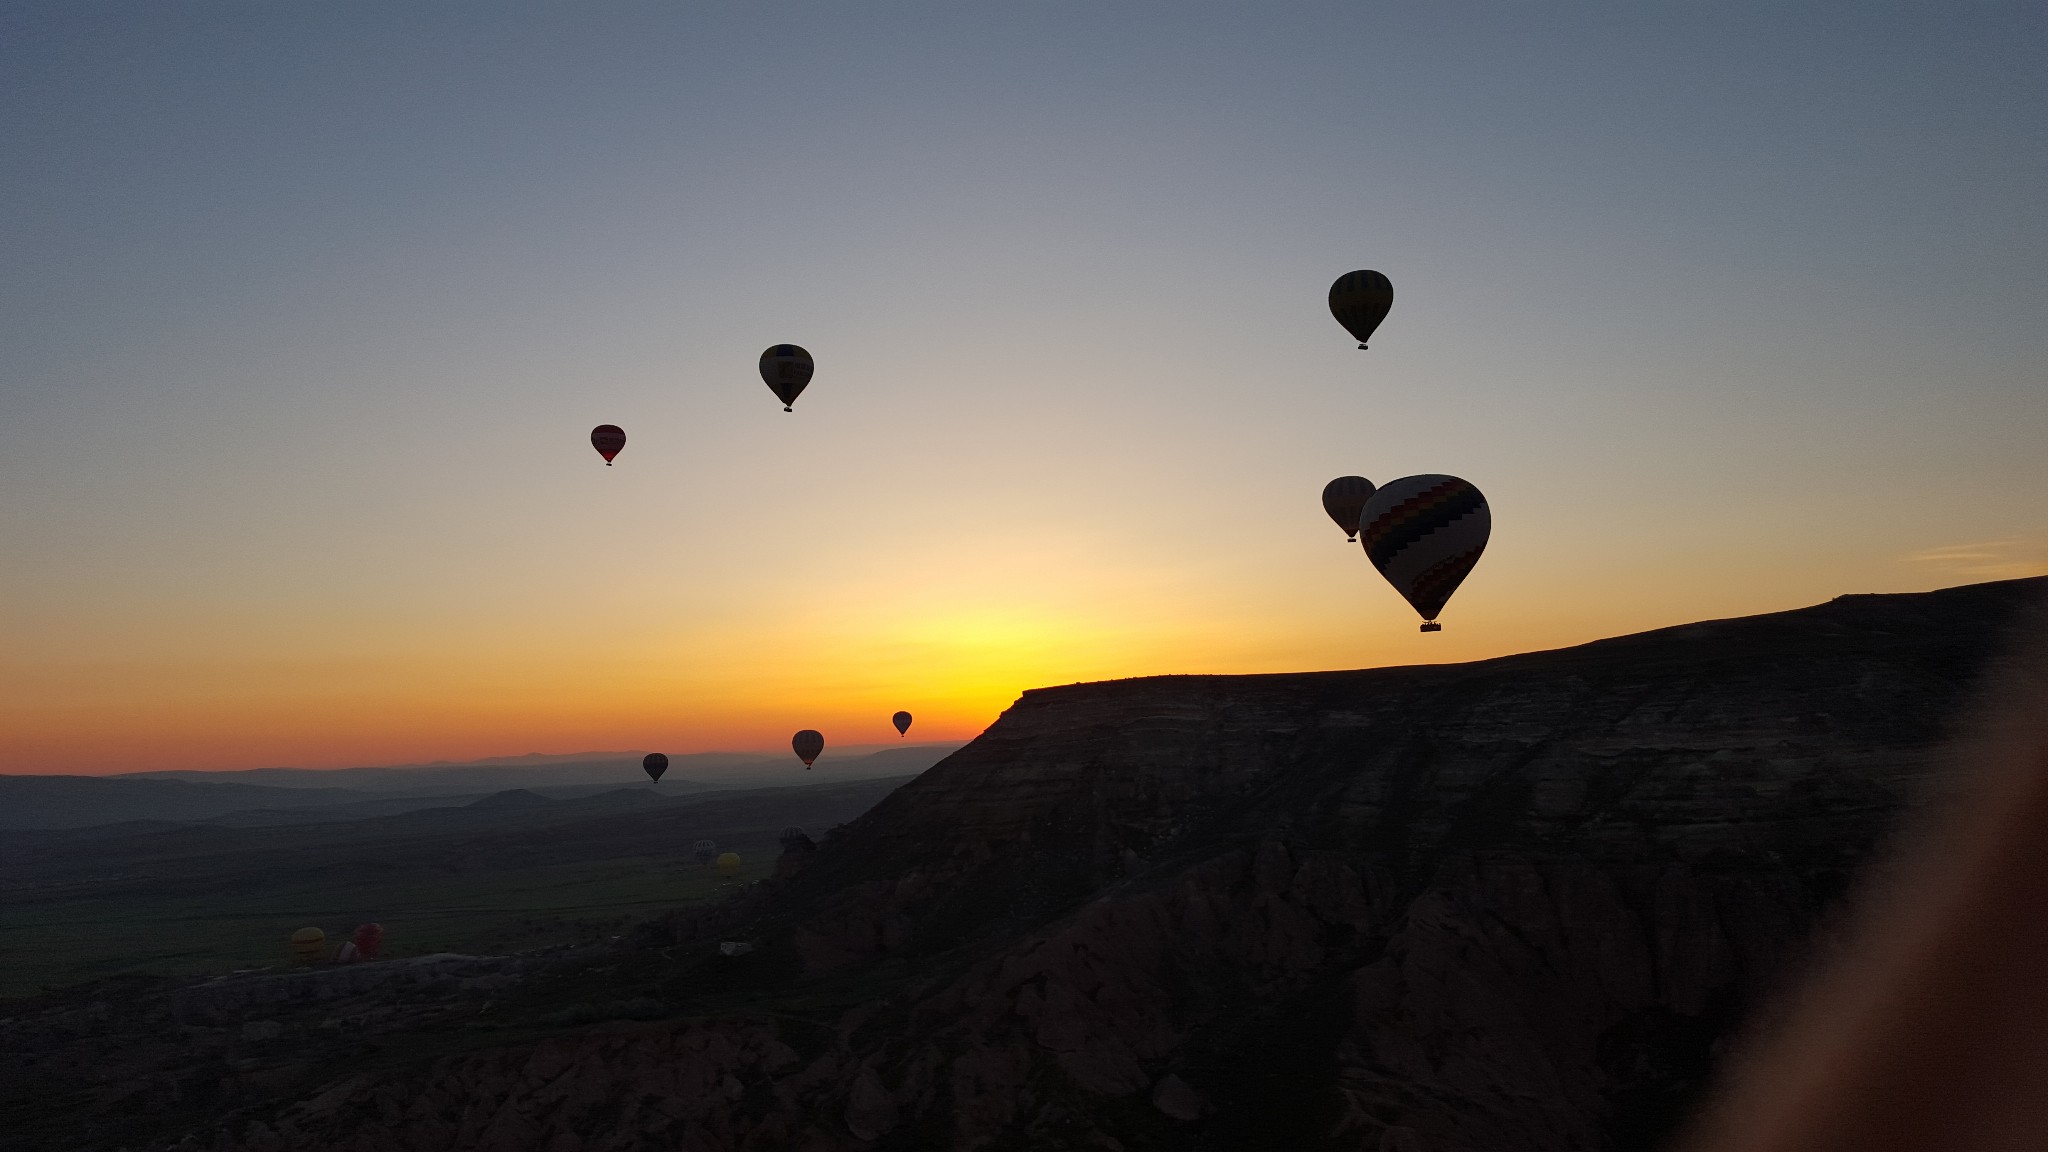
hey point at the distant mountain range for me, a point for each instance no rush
(264, 796)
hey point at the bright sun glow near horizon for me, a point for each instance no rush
(311, 312)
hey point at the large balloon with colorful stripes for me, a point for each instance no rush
(1424, 533)
(1360, 300)
(786, 368)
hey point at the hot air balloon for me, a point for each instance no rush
(1424, 533)
(308, 944)
(786, 368)
(654, 764)
(705, 851)
(1360, 300)
(808, 743)
(367, 941)
(729, 865)
(902, 722)
(1343, 499)
(793, 838)
(608, 439)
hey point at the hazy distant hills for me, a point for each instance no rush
(300, 795)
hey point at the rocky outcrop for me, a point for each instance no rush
(1512, 905)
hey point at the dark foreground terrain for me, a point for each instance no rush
(1514, 905)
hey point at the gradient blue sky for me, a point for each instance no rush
(308, 310)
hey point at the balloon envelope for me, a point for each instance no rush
(654, 764)
(369, 940)
(807, 743)
(309, 943)
(729, 865)
(786, 368)
(1360, 300)
(793, 837)
(1424, 533)
(1344, 498)
(704, 850)
(902, 722)
(607, 439)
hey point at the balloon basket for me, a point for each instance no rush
(1361, 347)
(1432, 626)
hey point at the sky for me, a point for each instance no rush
(306, 312)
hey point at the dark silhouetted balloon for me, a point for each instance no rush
(705, 851)
(1424, 533)
(786, 368)
(654, 764)
(793, 838)
(607, 439)
(729, 864)
(808, 743)
(902, 722)
(1344, 498)
(1360, 300)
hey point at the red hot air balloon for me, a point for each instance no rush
(808, 744)
(654, 764)
(786, 369)
(1344, 498)
(1424, 534)
(902, 722)
(608, 439)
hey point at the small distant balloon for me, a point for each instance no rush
(808, 744)
(308, 944)
(1360, 300)
(793, 838)
(1424, 534)
(608, 439)
(787, 369)
(705, 851)
(369, 940)
(729, 865)
(1344, 498)
(902, 722)
(654, 764)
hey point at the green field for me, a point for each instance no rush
(177, 900)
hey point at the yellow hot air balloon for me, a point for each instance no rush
(308, 945)
(729, 865)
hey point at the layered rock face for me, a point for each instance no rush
(1513, 905)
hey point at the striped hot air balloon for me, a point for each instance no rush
(1344, 498)
(654, 764)
(1424, 533)
(786, 368)
(1360, 300)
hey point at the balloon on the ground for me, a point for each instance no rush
(902, 722)
(786, 368)
(807, 744)
(793, 837)
(607, 439)
(1344, 498)
(369, 940)
(654, 764)
(1424, 533)
(705, 851)
(1360, 300)
(308, 944)
(729, 865)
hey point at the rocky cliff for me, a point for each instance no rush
(1512, 905)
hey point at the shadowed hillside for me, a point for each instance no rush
(1509, 905)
